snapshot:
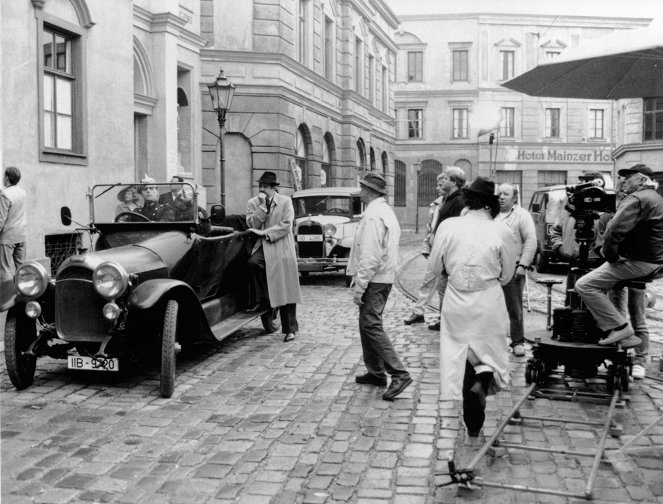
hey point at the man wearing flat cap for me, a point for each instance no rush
(632, 247)
(478, 255)
(273, 261)
(373, 263)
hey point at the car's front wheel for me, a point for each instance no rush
(20, 332)
(168, 349)
(271, 320)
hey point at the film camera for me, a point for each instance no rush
(586, 201)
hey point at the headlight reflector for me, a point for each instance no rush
(32, 309)
(110, 280)
(32, 279)
(329, 230)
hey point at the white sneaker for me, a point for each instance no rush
(638, 372)
(519, 350)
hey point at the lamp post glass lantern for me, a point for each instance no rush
(221, 91)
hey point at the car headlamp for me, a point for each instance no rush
(32, 279)
(110, 280)
(111, 311)
(32, 309)
(329, 230)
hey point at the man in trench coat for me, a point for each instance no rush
(273, 262)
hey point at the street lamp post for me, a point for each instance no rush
(417, 168)
(221, 91)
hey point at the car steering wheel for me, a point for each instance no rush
(129, 217)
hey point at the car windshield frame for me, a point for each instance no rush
(102, 198)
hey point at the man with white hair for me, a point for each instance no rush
(632, 247)
(449, 183)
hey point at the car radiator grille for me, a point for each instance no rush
(310, 249)
(78, 314)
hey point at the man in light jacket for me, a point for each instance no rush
(373, 262)
(13, 224)
(273, 260)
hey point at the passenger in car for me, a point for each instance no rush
(273, 262)
(184, 211)
(127, 197)
(151, 208)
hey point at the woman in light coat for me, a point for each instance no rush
(273, 260)
(477, 254)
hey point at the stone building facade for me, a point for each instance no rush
(449, 100)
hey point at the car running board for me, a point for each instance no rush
(233, 323)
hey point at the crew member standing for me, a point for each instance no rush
(521, 224)
(13, 225)
(373, 262)
(273, 261)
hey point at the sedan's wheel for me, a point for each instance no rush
(271, 320)
(20, 332)
(168, 349)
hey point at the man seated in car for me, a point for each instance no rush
(184, 210)
(151, 208)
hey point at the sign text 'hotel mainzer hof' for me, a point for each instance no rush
(551, 155)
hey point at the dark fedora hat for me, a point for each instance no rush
(639, 168)
(375, 181)
(268, 178)
(482, 187)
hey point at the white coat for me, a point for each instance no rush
(478, 255)
(279, 247)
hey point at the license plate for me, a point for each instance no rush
(93, 363)
(314, 238)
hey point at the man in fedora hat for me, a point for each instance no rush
(632, 247)
(373, 262)
(273, 261)
(478, 256)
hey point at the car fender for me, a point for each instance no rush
(346, 242)
(151, 292)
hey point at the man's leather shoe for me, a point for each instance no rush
(415, 318)
(371, 379)
(289, 337)
(396, 386)
(435, 326)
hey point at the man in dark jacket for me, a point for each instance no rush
(632, 247)
(151, 208)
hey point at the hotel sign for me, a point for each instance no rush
(559, 155)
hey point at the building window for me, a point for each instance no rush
(551, 177)
(415, 66)
(301, 157)
(460, 123)
(552, 123)
(653, 118)
(513, 177)
(552, 54)
(303, 31)
(508, 124)
(328, 52)
(415, 123)
(459, 64)
(399, 183)
(326, 175)
(595, 123)
(371, 79)
(358, 65)
(360, 161)
(506, 63)
(385, 89)
(385, 164)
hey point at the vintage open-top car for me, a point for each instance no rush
(326, 220)
(145, 286)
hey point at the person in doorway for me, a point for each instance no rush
(477, 254)
(450, 183)
(273, 261)
(373, 263)
(13, 224)
(521, 224)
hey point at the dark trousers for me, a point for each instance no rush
(513, 295)
(379, 353)
(258, 270)
(474, 405)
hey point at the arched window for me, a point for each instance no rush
(372, 159)
(326, 175)
(385, 164)
(399, 183)
(360, 161)
(427, 181)
(302, 140)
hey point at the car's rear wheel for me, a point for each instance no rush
(20, 332)
(541, 263)
(168, 349)
(271, 320)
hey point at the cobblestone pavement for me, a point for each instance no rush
(254, 420)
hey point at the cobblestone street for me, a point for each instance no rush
(254, 420)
